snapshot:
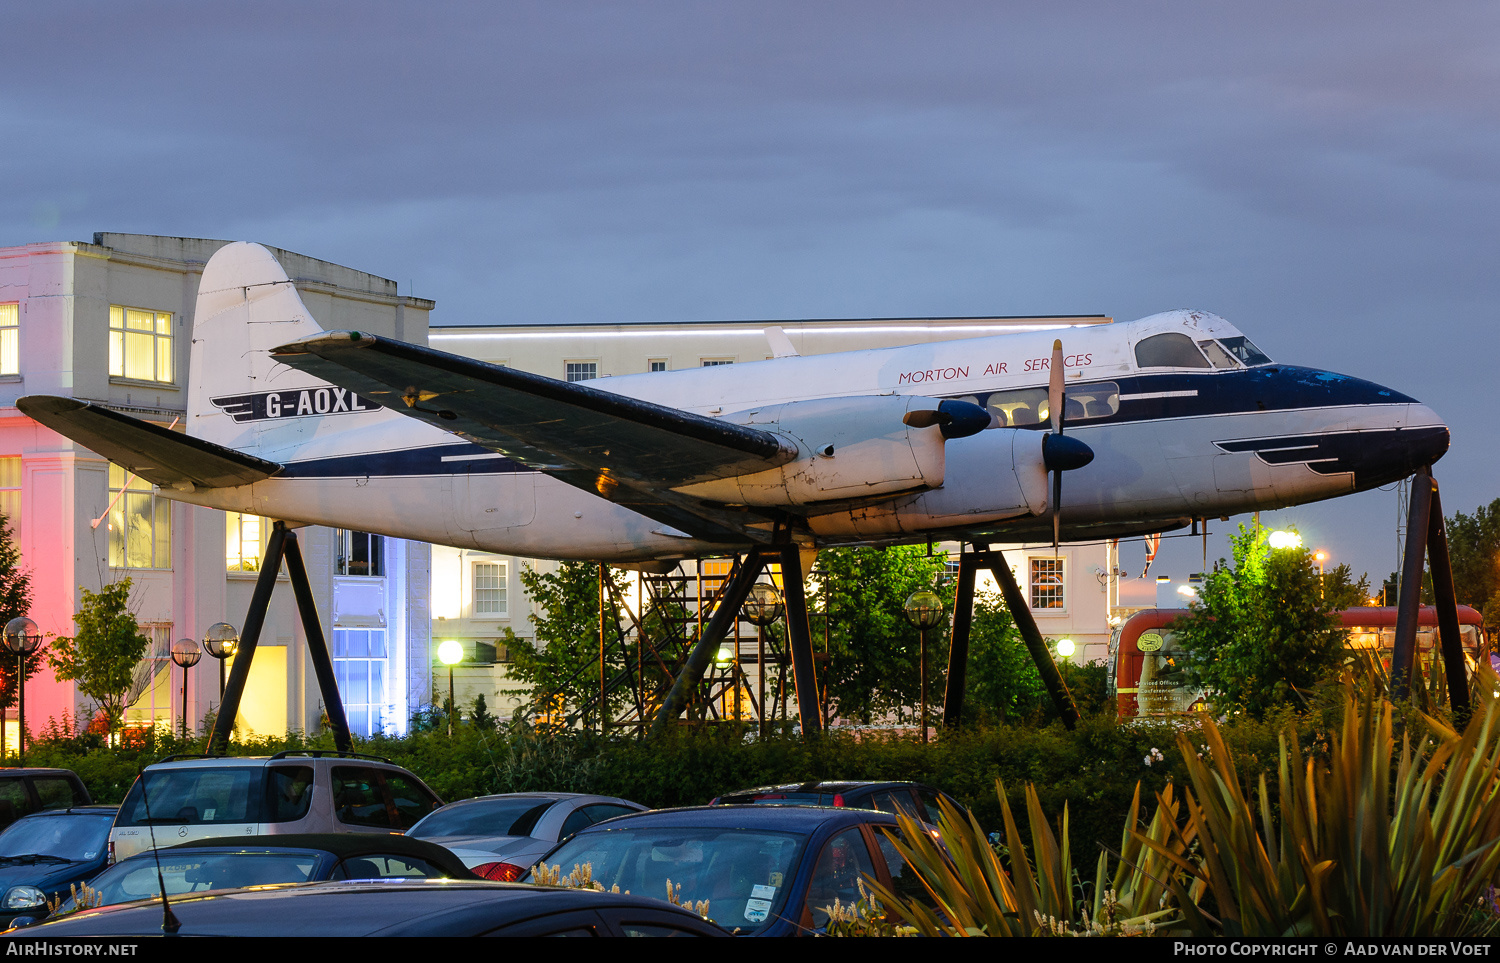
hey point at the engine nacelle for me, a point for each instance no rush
(992, 476)
(847, 448)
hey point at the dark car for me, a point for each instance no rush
(237, 861)
(26, 791)
(913, 798)
(392, 908)
(44, 854)
(764, 870)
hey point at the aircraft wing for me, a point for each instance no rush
(627, 450)
(162, 457)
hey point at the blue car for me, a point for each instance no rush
(46, 853)
(764, 870)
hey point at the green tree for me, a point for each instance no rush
(1260, 630)
(1342, 592)
(873, 664)
(1474, 550)
(15, 601)
(106, 648)
(1002, 684)
(562, 668)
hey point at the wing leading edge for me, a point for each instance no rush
(624, 449)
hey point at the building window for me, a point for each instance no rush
(490, 599)
(359, 664)
(140, 344)
(10, 493)
(715, 362)
(10, 339)
(140, 523)
(243, 542)
(360, 553)
(149, 703)
(657, 364)
(1047, 583)
(581, 370)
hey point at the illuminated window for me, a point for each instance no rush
(242, 541)
(1047, 583)
(10, 492)
(490, 599)
(140, 344)
(140, 523)
(10, 339)
(359, 666)
(151, 689)
(581, 370)
(360, 553)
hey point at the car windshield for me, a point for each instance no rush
(743, 874)
(487, 817)
(71, 836)
(136, 878)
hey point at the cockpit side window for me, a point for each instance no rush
(1169, 350)
(1241, 348)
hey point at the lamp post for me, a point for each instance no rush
(186, 653)
(22, 636)
(450, 653)
(924, 608)
(1321, 557)
(221, 641)
(762, 608)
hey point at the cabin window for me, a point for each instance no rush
(1028, 406)
(140, 344)
(1170, 350)
(1242, 349)
(140, 523)
(10, 339)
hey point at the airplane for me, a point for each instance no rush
(1155, 422)
(1170, 418)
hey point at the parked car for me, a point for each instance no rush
(499, 837)
(392, 908)
(44, 854)
(914, 798)
(298, 791)
(764, 870)
(26, 791)
(238, 861)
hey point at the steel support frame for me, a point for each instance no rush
(282, 546)
(1427, 539)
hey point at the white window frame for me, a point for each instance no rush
(580, 370)
(492, 600)
(241, 530)
(714, 362)
(656, 364)
(1047, 578)
(125, 330)
(10, 338)
(151, 514)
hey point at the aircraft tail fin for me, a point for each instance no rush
(238, 395)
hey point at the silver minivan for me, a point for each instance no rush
(298, 791)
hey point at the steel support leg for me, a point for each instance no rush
(708, 643)
(1418, 520)
(1021, 613)
(799, 638)
(317, 645)
(1446, 600)
(958, 650)
(229, 706)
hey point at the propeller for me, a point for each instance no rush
(1059, 452)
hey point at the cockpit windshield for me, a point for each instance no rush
(1242, 349)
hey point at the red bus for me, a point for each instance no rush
(1142, 649)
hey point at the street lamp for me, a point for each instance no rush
(762, 608)
(1280, 539)
(221, 641)
(1065, 648)
(1321, 557)
(22, 636)
(451, 653)
(186, 653)
(924, 608)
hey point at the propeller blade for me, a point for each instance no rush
(958, 419)
(1055, 387)
(1056, 509)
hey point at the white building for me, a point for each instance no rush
(110, 322)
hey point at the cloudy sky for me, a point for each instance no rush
(1323, 175)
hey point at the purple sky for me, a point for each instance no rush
(1322, 175)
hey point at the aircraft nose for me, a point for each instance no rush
(1429, 436)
